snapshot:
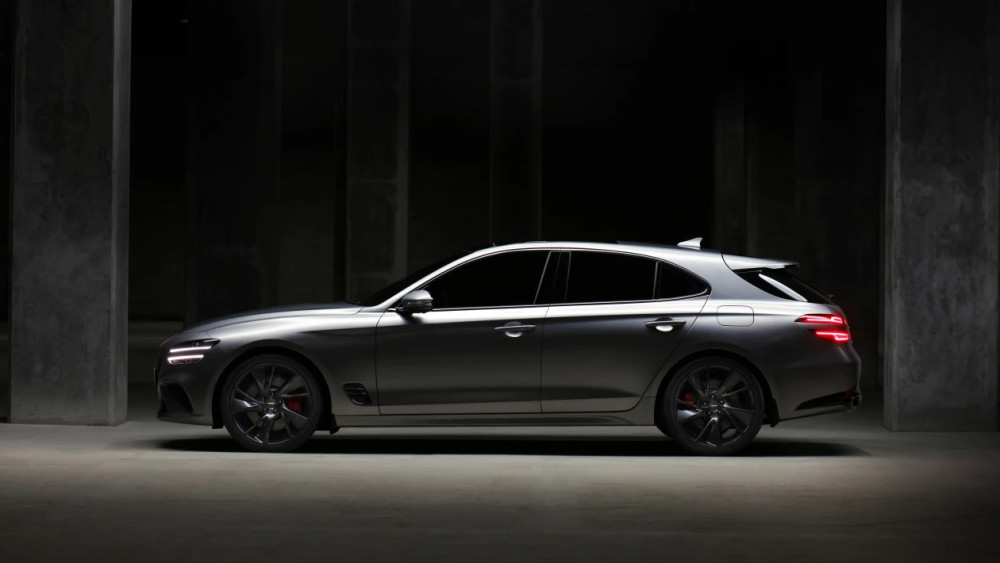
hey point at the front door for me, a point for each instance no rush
(478, 351)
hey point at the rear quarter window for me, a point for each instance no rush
(672, 283)
(782, 283)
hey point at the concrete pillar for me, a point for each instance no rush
(941, 215)
(6, 74)
(234, 138)
(378, 110)
(69, 208)
(515, 120)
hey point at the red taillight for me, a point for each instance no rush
(822, 319)
(835, 335)
(838, 335)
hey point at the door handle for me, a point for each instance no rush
(665, 325)
(514, 329)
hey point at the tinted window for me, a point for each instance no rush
(781, 283)
(603, 276)
(672, 283)
(506, 279)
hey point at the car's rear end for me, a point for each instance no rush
(803, 341)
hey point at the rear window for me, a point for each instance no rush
(781, 283)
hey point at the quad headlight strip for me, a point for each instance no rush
(190, 352)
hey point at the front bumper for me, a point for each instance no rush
(185, 391)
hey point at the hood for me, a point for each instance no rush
(313, 309)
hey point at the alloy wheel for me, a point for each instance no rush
(715, 407)
(271, 404)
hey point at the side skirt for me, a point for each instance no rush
(640, 415)
(560, 419)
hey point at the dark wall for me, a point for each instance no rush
(626, 151)
(758, 125)
(311, 195)
(158, 160)
(830, 215)
(449, 129)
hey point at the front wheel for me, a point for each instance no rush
(271, 403)
(712, 406)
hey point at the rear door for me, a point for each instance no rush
(620, 319)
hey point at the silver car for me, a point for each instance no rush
(706, 346)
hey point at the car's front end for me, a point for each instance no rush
(191, 364)
(186, 367)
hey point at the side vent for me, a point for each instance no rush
(357, 393)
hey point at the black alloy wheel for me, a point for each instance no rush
(713, 406)
(271, 403)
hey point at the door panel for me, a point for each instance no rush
(602, 357)
(460, 361)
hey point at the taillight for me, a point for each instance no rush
(823, 321)
(835, 335)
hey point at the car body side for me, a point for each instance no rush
(801, 375)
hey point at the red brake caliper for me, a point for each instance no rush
(295, 404)
(688, 398)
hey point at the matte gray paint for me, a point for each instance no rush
(602, 357)
(455, 361)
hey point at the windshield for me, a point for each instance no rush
(398, 285)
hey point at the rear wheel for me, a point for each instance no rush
(271, 403)
(712, 406)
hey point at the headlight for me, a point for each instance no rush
(190, 352)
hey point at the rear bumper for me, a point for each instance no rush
(827, 383)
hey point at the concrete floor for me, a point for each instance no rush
(831, 488)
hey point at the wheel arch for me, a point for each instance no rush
(770, 406)
(324, 424)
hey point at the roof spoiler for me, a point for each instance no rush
(739, 263)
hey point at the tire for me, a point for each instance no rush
(712, 406)
(271, 403)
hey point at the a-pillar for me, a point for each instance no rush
(941, 236)
(378, 122)
(515, 120)
(69, 211)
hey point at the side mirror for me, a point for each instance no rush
(418, 301)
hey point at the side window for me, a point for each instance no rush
(672, 283)
(603, 276)
(507, 279)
